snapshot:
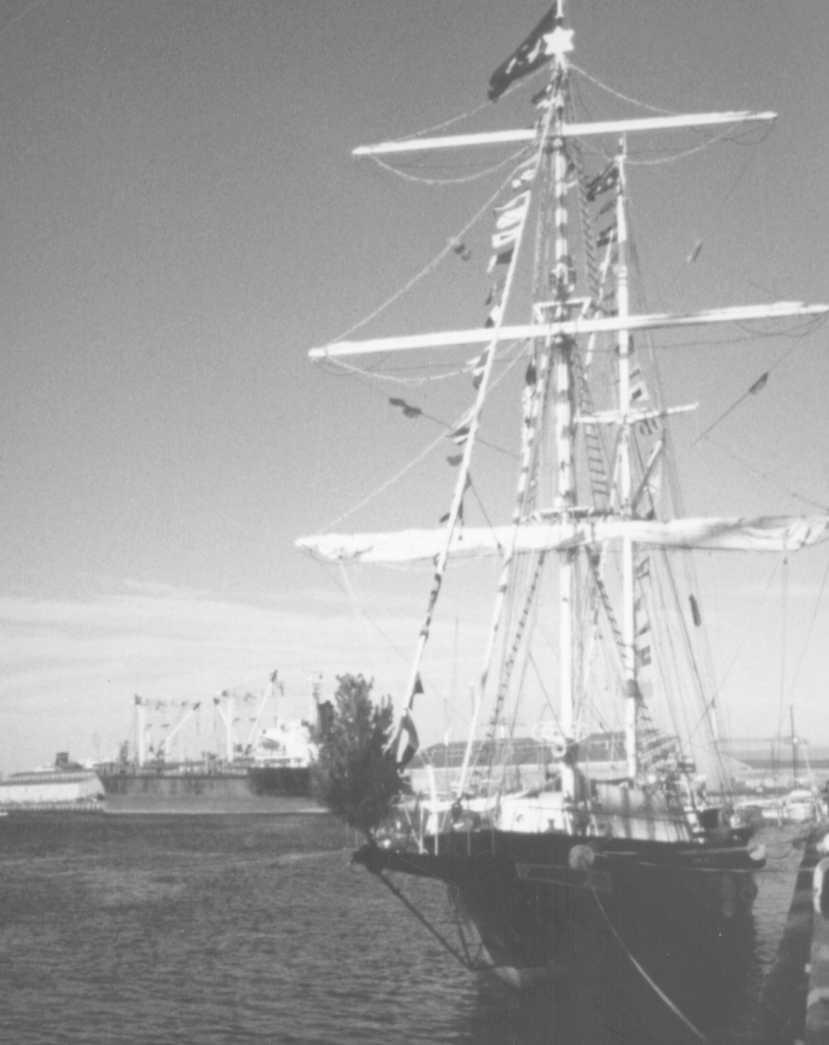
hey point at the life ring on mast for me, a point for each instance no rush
(558, 746)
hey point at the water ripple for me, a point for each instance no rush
(223, 930)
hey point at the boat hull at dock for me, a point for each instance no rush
(534, 901)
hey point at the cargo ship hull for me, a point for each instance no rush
(254, 789)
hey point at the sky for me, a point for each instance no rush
(182, 220)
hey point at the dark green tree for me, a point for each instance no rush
(354, 775)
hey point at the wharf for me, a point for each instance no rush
(796, 995)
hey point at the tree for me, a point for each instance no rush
(355, 775)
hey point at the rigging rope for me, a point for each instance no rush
(767, 476)
(335, 363)
(682, 154)
(755, 387)
(410, 907)
(447, 123)
(464, 179)
(359, 612)
(431, 265)
(439, 441)
(388, 483)
(618, 94)
(705, 655)
(674, 1008)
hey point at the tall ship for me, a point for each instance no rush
(624, 831)
(264, 764)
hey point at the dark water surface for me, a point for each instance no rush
(226, 929)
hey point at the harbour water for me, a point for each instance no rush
(212, 929)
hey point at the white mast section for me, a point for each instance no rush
(441, 559)
(565, 130)
(567, 328)
(509, 547)
(563, 410)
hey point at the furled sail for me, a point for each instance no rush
(773, 533)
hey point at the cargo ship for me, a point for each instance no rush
(64, 787)
(268, 770)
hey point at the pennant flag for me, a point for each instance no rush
(529, 56)
(695, 613)
(607, 236)
(418, 686)
(407, 408)
(454, 460)
(460, 434)
(504, 238)
(478, 367)
(503, 257)
(510, 218)
(565, 271)
(519, 202)
(525, 176)
(648, 425)
(512, 212)
(603, 182)
(694, 253)
(495, 291)
(759, 384)
(638, 388)
(531, 374)
(493, 317)
(412, 741)
(606, 208)
(461, 249)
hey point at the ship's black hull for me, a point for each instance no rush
(535, 900)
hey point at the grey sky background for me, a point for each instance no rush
(182, 219)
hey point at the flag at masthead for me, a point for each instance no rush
(549, 37)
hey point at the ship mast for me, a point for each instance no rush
(561, 351)
(625, 507)
(556, 323)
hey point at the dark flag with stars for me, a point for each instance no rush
(529, 56)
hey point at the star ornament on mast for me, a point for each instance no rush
(558, 43)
